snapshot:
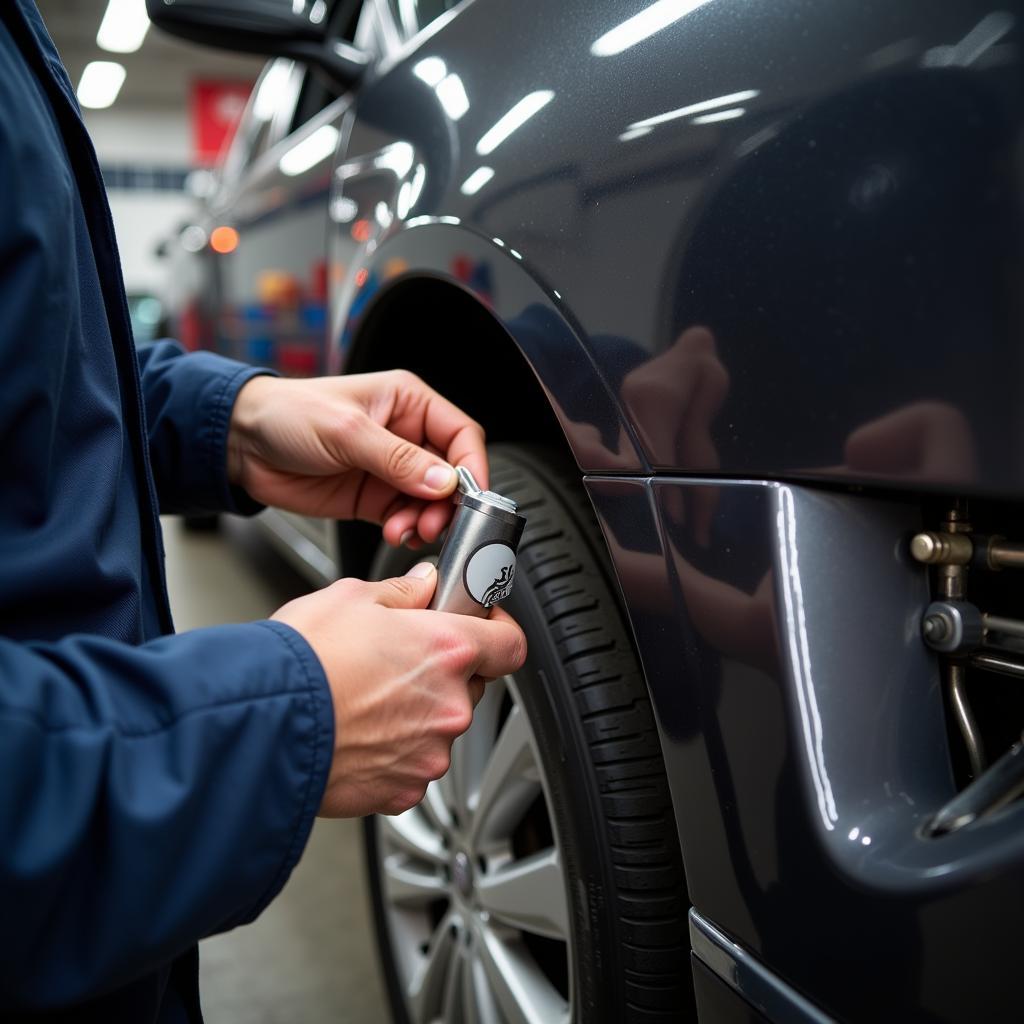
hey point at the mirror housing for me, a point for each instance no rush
(270, 28)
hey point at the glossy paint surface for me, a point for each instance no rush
(803, 733)
(788, 236)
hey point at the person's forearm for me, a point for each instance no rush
(189, 399)
(152, 795)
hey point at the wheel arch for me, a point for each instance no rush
(408, 326)
(468, 317)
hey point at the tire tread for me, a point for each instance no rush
(583, 612)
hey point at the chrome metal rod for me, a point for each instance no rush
(955, 676)
(999, 786)
(1003, 554)
(997, 624)
(1004, 667)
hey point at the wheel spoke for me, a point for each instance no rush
(472, 750)
(407, 886)
(510, 783)
(529, 894)
(478, 1002)
(520, 988)
(435, 805)
(414, 833)
(452, 1009)
(427, 988)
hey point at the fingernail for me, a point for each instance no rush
(439, 477)
(406, 537)
(421, 570)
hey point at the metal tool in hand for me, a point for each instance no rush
(477, 565)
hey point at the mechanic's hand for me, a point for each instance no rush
(350, 448)
(404, 681)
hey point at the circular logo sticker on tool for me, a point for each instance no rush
(489, 573)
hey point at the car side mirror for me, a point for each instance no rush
(271, 28)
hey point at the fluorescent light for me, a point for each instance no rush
(635, 133)
(403, 204)
(124, 26)
(638, 28)
(383, 215)
(452, 94)
(343, 210)
(410, 192)
(310, 151)
(696, 108)
(100, 83)
(514, 119)
(268, 94)
(719, 115)
(477, 180)
(398, 158)
(430, 70)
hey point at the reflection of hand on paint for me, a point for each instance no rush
(673, 399)
(922, 441)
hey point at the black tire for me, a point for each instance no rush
(587, 703)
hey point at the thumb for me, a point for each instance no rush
(413, 590)
(405, 466)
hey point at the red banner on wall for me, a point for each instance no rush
(216, 107)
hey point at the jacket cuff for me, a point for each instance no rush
(322, 755)
(230, 498)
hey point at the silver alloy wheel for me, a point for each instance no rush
(467, 909)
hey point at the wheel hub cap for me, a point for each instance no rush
(462, 874)
(464, 901)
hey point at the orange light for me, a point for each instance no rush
(361, 231)
(223, 239)
(361, 277)
(395, 266)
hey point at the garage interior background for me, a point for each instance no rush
(309, 957)
(146, 140)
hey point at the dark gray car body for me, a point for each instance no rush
(770, 338)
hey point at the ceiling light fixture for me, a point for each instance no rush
(310, 151)
(100, 83)
(124, 26)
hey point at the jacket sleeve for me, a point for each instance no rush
(151, 795)
(188, 399)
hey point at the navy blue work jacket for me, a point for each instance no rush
(154, 789)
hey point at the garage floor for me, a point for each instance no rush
(309, 956)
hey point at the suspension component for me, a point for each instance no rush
(952, 627)
(953, 548)
(996, 788)
(966, 636)
(956, 627)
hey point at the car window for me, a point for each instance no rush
(260, 126)
(413, 15)
(317, 91)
